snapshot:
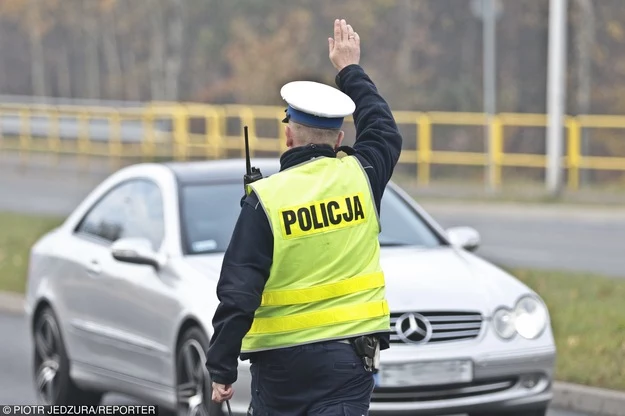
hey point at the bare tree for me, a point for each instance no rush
(157, 50)
(126, 27)
(584, 44)
(63, 78)
(37, 59)
(585, 40)
(404, 57)
(111, 51)
(90, 43)
(174, 55)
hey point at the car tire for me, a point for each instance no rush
(193, 384)
(532, 412)
(51, 366)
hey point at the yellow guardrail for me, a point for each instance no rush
(182, 131)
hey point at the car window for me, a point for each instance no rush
(131, 210)
(210, 211)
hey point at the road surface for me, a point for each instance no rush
(550, 237)
(16, 385)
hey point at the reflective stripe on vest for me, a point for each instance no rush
(324, 317)
(322, 292)
(325, 281)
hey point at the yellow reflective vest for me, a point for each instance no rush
(325, 281)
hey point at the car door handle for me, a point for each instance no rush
(94, 268)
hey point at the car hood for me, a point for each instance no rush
(445, 279)
(439, 279)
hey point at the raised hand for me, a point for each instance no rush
(345, 46)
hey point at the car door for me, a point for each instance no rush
(146, 310)
(86, 293)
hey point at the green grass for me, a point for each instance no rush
(17, 234)
(587, 312)
(588, 320)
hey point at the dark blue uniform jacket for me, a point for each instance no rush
(248, 259)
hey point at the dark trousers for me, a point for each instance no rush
(326, 379)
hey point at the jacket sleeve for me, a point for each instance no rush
(244, 272)
(378, 140)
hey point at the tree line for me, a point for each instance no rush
(423, 54)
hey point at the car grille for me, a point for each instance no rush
(446, 392)
(434, 327)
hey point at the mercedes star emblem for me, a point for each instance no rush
(413, 328)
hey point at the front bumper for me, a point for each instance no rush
(509, 380)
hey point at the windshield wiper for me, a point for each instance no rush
(392, 244)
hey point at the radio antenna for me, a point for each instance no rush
(251, 174)
(248, 164)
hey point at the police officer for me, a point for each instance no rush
(301, 291)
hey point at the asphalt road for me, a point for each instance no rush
(551, 237)
(16, 385)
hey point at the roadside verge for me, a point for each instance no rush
(11, 303)
(593, 400)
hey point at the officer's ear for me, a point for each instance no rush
(289, 136)
(339, 139)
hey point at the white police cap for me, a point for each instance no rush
(316, 105)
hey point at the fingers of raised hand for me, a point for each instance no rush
(344, 30)
(337, 30)
(350, 32)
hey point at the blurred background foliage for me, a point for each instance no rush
(423, 54)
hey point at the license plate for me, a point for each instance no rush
(425, 373)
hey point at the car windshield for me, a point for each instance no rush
(210, 212)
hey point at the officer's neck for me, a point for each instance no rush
(302, 154)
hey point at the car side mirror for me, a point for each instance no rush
(136, 251)
(466, 237)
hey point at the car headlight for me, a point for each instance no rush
(531, 317)
(504, 323)
(528, 319)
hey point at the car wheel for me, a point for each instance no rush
(194, 387)
(533, 412)
(51, 366)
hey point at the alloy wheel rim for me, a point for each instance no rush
(191, 379)
(47, 351)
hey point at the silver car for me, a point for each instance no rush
(121, 297)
